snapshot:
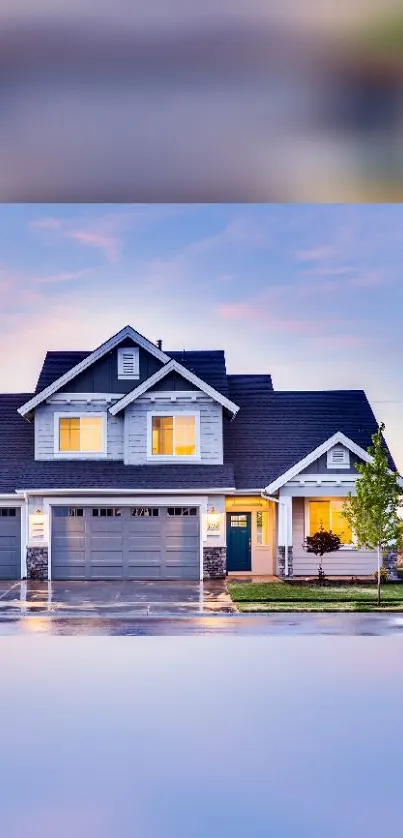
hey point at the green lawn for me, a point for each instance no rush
(280, 596)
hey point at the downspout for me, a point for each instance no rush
(280, 502)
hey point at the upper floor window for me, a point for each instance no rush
(174, 435)
(338, 457)
(80, 434)
(128, 362)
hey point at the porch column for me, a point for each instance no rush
(284, 538)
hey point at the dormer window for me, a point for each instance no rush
(80, 435)
(128, 363)
(173, 436)
(338, 457)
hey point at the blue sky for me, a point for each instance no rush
(311, 293)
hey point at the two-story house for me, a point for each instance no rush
(132, 462)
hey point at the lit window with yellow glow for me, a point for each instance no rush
(262, 529)
(174, 436)
(81, 434)
(327, 514)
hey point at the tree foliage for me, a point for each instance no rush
(323, 541)
(373, 512)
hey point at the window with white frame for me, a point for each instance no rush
(262, 529)
(326, 514)
(128, 362)
(338, 457)
(173, 435)
(80, 434)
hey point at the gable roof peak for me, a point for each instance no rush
(94, 356)
(174, 366)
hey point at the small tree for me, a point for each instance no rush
(373, 513)
(323, 541)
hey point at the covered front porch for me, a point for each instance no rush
(302, 509)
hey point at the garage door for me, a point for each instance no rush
(10, 543)
(125, 543)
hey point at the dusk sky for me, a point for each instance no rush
(312, 294)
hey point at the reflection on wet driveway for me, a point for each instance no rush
(113, 599)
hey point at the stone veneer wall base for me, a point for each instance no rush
(390, 563)
(37, 563)
(214, 562)
(281, 563)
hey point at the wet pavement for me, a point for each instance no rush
(218, 624)
(162, 608)
(123, 600)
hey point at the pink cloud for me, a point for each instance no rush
(367, 280)
(253, 313)
(318, 254)
(110, 245)
(328, 271)
(62, 277)
(46, 223)
(339, 341)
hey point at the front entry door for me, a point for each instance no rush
(239, 541)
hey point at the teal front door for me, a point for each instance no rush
(238, 541)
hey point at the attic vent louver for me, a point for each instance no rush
(338, 457)
(128, 363)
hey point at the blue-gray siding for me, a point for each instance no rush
(45, 428)
(211, 428)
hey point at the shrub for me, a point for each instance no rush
(323, 541)
(384, 575)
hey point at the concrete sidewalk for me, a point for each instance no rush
(113, 599)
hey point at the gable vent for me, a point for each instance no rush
(338, 456)
(128, 363)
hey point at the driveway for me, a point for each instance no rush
(125, 600)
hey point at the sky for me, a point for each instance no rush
(312, 294)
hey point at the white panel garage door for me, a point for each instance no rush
(125, 543)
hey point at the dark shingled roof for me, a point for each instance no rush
(271, 433)
(18, 469)
(274, 430)
(208, 365)
(57, 364)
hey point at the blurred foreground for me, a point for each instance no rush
(150, 102)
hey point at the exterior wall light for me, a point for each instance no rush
(213, 520)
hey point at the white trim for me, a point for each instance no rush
(127, 332)
(345, 461)
(112, 494)
(176, 396)
(10, 502)
(88, 398)
(79, 455)
(314, 455)
(24, 538)
(173, 366)
(48, 512)
(348, 478)
(170, 458)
